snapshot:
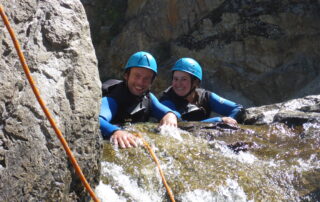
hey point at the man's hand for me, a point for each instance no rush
(170, 119)
(124, 139)
(229, 120)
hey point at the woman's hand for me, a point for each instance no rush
(229, 120)
(170, 119)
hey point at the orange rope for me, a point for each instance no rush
(43, 106)
(158, 165)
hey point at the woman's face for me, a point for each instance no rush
(181, 83)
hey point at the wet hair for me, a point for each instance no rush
(195, 79)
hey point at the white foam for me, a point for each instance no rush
(307, 126)
(170, 131)
(125, 183)
(230, 192)
(106, 193)
(244, 157)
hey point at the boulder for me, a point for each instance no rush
(292, 112)
(55, 38)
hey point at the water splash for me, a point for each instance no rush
(244, 157)
(106, 194)
(231, 192)
(123, 182)
(170, 131)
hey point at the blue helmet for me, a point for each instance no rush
(188, 65)
(142, 59)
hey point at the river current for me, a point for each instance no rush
(216, 162)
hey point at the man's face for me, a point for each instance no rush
(139, 80)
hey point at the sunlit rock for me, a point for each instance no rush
(55, 39)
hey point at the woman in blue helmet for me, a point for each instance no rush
(192, 102)
(129, 100)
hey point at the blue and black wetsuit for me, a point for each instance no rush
(206, 102)
(119, 106)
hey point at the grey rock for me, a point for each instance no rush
(252, 52)
(55, 38)
(293, 112)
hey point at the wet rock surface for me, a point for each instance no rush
(275, 159)
(216, 162)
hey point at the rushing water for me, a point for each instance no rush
(216, 163)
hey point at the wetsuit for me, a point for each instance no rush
(206, 102)
(119, 106)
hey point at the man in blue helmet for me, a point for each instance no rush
(192, 102)
(130, 101)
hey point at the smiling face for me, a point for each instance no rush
(139, 80)
(181, 83)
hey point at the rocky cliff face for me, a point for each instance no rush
(253, 52)
(55, 38)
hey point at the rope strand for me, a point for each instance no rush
(158, 165)
(44, 108)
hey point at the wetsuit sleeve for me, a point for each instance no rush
(212, 120)
(107, 111)
(158, 110)
(223, 107)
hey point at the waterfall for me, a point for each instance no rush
(216, 162)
